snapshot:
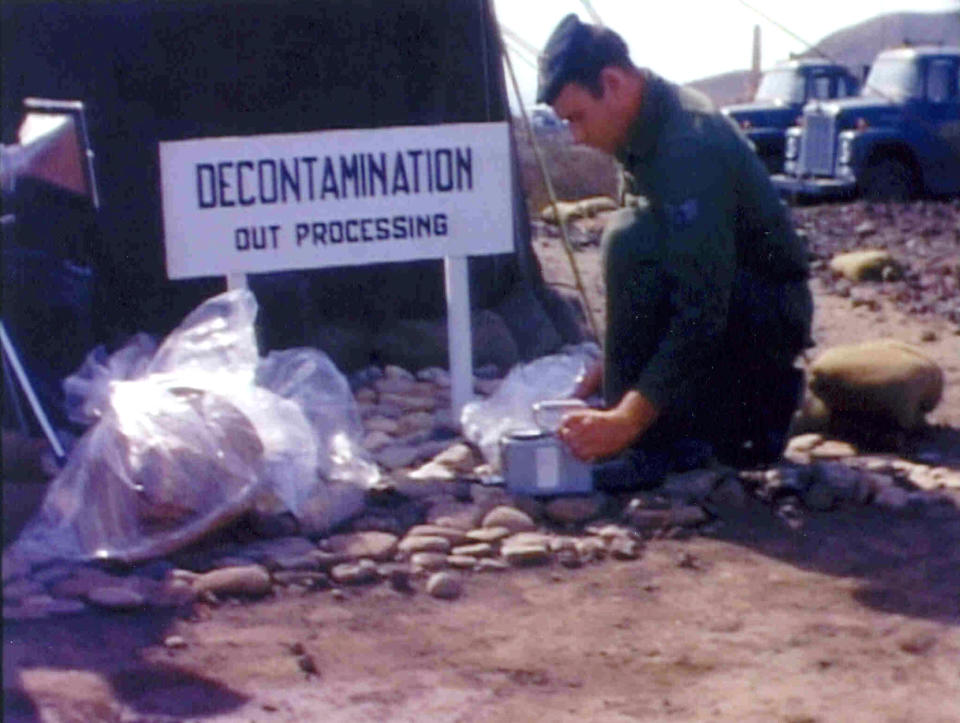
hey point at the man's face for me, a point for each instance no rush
(593, 121)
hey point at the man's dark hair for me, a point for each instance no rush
(576, 53)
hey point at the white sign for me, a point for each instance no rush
(279, 202)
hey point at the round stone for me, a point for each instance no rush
(248, 580)
(424, 543)
(574, 509)
(510, 517)
(116, 598)
(445, 585)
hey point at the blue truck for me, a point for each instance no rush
(898, 139)
(779, 100)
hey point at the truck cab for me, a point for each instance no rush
(780, 98)
(899, 138)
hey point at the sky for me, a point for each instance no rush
(717, 35)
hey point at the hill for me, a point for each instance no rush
(855, 46)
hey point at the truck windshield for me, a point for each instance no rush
(786, 86)
(893, 79)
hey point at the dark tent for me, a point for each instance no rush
(152, 70)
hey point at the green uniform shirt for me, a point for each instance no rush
(716, 213)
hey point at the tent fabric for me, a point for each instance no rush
(154, 70)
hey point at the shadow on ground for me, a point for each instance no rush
(87, 653)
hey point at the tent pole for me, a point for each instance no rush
(567, 246)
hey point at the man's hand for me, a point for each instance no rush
(593, 433)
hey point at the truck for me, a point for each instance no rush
(779, 100)
(899, 138)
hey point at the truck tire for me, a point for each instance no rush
(888, 179)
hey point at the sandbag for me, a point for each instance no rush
(885, 379)
(567, 211)
(867, 265)
(590, 207)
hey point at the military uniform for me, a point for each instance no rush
(707, 298)
(707, 295)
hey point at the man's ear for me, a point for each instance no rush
(613, 83)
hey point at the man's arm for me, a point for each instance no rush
(595, 433)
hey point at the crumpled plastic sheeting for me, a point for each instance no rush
(184, 441)
(510, 408)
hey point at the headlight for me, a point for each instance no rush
(844, 152)
(792, 148)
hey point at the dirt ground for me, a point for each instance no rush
(852, 616)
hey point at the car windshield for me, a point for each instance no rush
(783, 85)
(894, 79)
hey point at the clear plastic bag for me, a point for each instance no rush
(187, 441)
(510, 408)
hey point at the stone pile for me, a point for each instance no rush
(433, 525)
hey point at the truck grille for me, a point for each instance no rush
(817, 149)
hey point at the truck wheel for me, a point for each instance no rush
(888, 179)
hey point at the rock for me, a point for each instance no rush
(445, 585)
(479, 549)
(376, 440)
(412, 544)
(591, 548)
(692, 486)
(892, 498)
(833, 449)
(845, 482)
(488, 534)
(458, 457)
(572, 510)
(365, 395)
(569, 559)
(625, 549)
(116, 598)
(525, 552)
(866, 265)
(454, 514)
(394, 385)
(803, 443)
(175, 642)
(727, 494)
(462, 562)
(436, 375)
(491, 565)
(24, 587)
(513, 519)
(395, 456)
(820, 496)
(363, 572)
(42, 606)
(452, 534)
(382, 424)
(372, 545)
(394, 371)
(267, 552)
(411, 403)
(304, 578)
(428, 561)
(249, 580)
(679, 516)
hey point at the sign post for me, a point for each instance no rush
(260, 204)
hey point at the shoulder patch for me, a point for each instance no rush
(681, 216)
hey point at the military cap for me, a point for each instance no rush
(559, 56)
(577, 51)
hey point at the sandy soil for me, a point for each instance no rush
(853, 616)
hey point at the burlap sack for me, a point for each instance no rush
(868, 265)
(886, 379)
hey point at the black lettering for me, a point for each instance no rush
(319, 233)
(206, 181)
(241, 238)
(440, 224)
(244, 199)
(443, 161)
(349, 172)
(465, 168)
(378, 171)
(273, 233)
(301, 231)
(329, 180)
(289, 180)
(400, 182)
(415, 155)
(336, 232)
(224, 183)
(399, 227)
(364, 232)
(310, 160)
(270, 185)
(352, 235)
(383, 229)
(423, 226)
(259, 238)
